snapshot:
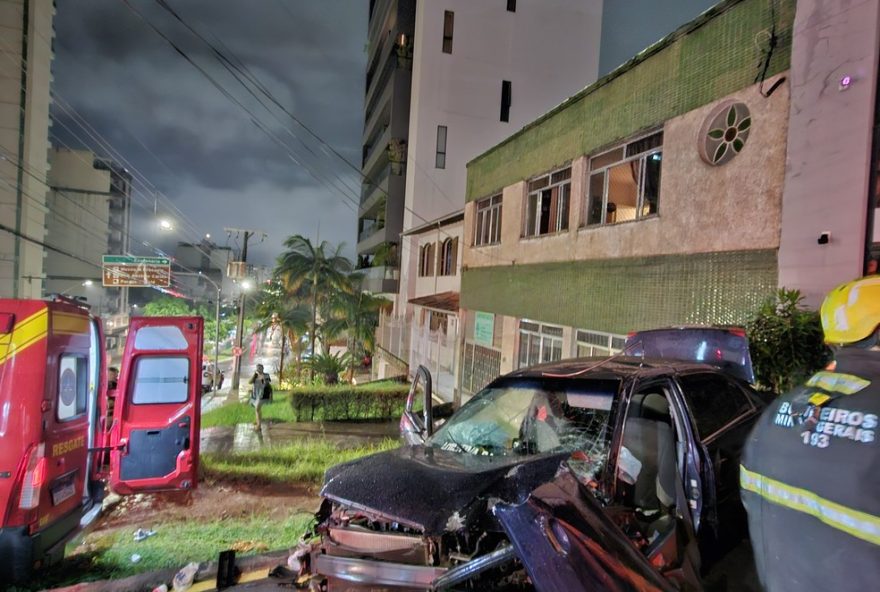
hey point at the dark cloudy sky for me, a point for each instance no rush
(176, 131)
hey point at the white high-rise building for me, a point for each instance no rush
(479, 72)
(25, 40)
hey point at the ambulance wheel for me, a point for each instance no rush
(16, 556)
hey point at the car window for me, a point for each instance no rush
(714, 401)
(534, 416)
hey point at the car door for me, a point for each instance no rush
(721, 410)
(566, 541)
(155, 439)
(417, 422)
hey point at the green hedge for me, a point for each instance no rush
(343, 402)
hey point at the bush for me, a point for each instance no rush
(328, 366)
(379, 400)
(786, 342)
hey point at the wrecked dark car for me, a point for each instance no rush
(615, 473)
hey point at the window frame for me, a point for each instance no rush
(448, 30)
(605, 165)
(544, 339)
(440, 163)
(609, 347)
(135, 375)
(558, 216)
(487, 221)
(448, 256)
(81, 399)
(426, 260)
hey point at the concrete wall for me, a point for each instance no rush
(712, 57)
(25, 37)
(77, 223)
(548, 50)
(702, 208)
(828, 169)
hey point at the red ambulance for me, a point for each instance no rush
(64, 436)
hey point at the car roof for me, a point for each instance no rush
(621, 367)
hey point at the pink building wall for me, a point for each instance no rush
(829, 144)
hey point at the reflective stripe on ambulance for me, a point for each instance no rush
(859, 524)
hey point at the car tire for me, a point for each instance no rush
(16, 556)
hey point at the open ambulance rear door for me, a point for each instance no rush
(155, 434)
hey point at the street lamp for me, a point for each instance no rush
(166, 225)
(245, 285)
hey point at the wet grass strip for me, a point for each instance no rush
(277, 410)
(109, 554)
(301, 461)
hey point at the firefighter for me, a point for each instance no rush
(810, 473)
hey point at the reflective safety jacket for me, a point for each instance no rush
(810, 480)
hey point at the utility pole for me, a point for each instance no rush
(239, 333)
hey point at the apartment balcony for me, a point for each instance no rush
(373, 193)
(380, 280)
(369, 239)
(377, 152)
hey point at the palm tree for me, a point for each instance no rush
(287, 312)
(321, 270)
(355, 313)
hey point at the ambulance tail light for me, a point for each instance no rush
(34, 478)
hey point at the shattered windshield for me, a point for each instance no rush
(534, 416)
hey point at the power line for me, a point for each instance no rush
(255, 81)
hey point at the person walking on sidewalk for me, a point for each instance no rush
(260, 380)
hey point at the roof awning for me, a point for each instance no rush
(446, 301)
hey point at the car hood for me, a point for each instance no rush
(433, 490)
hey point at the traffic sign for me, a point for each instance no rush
(123, 271)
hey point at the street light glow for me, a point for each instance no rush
(88, 283)
(246, 285)
(165, 225)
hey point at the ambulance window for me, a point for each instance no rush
(160, 338)
(73, 386)
(159, 380)
(714, 402)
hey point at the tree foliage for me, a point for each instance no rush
(322, 270)
(170, 306)
(786, 342)
(315, 294)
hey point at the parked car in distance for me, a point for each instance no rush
(722, 346)
(641, 454)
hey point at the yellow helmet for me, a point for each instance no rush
(851, 312)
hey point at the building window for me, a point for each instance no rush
(625, 182)
(538, 343)
(547, 204)
(597, 343)
(487, 229)
(505, 100)
(440, 157)
(448, 24)
(449, 256)
(73, 387)
(511, 5)
(426, 260)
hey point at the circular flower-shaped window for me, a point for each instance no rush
(725, 132)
